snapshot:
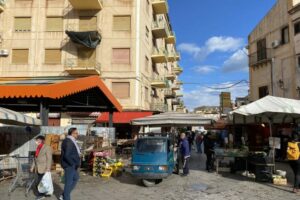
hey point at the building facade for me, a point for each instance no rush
(274, 53)
(130, 44)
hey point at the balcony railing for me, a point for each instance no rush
(87, 4)
(159, 82)
(169, 94)
(159, 28)
(171, 39)
(260, 57)
(175, 102)
(159, 55)
(160, 6)
(159, 107)
(2, 4)
(171, 76)
(177, 70)
(75, 66)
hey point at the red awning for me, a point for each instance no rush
(122, 117)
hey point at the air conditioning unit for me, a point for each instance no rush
(4, 52)
(275, 44)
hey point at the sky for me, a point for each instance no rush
(211, 37)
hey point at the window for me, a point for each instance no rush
(147, 6)
(121, 56)
(86, 57)
(146, 64)
(88, 23)
(52, 56)
(20, 56)
(54, 24)
(285, 37)
(121, 90)
(262, 49)
(146, 94)
(22, 24)
(122, 23)
(297, 27)
(147, 32)
(263, 91)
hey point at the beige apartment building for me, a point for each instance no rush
(130, 44)
(274, 52)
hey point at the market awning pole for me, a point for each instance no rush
(110, 120)
(273, 142)
(44, 113)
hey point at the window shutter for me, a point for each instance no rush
(121, 90)
(20, 56)
(22, 24)
(122, 23)
(54, 24)
(86, 57)
(121, 56)
(53, 56)
(87, 23)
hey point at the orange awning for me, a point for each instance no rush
(122, 117)
(59, 90)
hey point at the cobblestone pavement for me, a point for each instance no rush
(198, 185)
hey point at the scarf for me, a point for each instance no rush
(38, 149)
(75, 143)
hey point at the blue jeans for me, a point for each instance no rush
(199, 147)
(71, 179)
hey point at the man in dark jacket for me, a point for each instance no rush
(209, 151)
(70, 161)
(185, 153)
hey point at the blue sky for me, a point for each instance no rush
(211, 36)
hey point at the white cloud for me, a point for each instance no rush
(237, 62)
(206, 69)
(212, 45)
(204, 96)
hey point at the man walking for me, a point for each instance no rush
(209, 151)
(43, 161)
(70, 161)
(185, 153)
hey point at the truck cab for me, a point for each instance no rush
(153, 159)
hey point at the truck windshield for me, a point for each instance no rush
(151, 145)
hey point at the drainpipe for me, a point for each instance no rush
(272, 83)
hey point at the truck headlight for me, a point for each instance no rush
(163, 168)
(136, 168)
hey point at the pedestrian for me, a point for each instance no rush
(185, 153)
(294, 160)
(199, 141)
(42, 162)
(190, 140)
(209, 151)
(70, 161)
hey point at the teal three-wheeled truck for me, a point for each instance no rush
(154, 158)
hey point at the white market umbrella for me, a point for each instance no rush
(11, 117)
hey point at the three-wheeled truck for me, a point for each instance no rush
(153, 158)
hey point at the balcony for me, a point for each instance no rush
(159, 107)
(159, 55)
(175, 102)
(87, 4)
(177, 70)
(171, 56)
(179, 94)
(171, 39)
(75, 66)
(158, 82)
(175, 87)
(160, 6)
(159, 28)
(2, 4)
(177, 56)
(260, 57)
(169, 94)
(178, 82)
(171, 76)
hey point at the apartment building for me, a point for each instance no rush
(274, 52)
(130, 44)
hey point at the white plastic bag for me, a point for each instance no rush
(46, 185)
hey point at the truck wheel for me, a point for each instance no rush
(149, 182)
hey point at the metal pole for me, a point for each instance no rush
(272, 84)
(44, 113)
(110, 120)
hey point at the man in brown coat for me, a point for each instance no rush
(43, 160)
